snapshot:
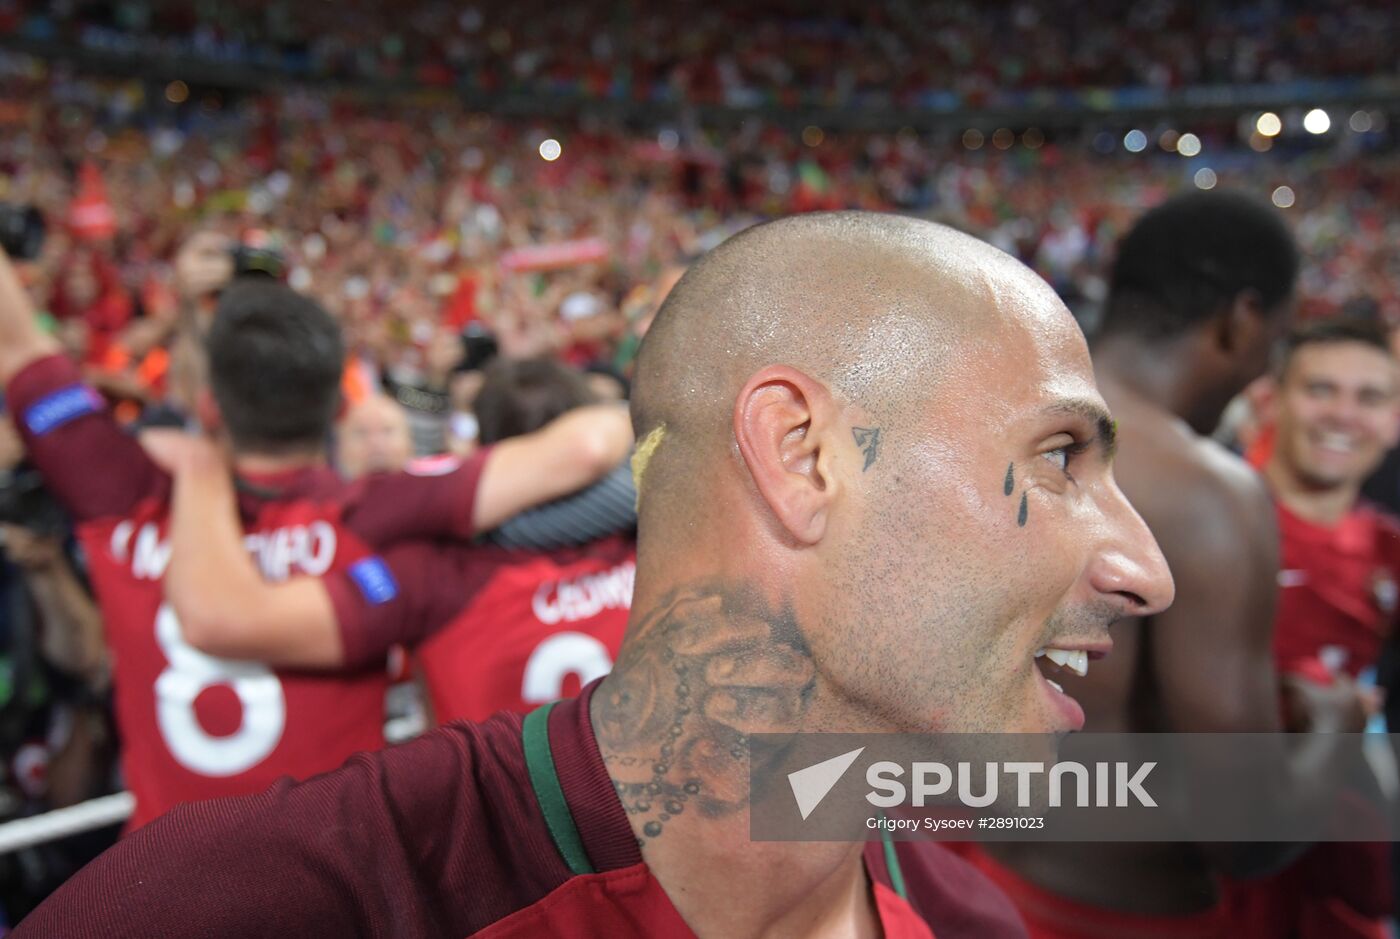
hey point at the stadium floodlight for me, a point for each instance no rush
(1269, 124)
(1188, 145)
(1135, 141)
(1205, 178)
(1283, 197)
(1317, 121)
(550, 150)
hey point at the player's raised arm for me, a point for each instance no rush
(21, 339)
(65, 424)
(441, 498)
(228, 609)
(225, 606)
(571, 452)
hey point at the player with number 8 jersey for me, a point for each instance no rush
(494, 629)
(195, 726)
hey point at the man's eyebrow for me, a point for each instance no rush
(1106, 436)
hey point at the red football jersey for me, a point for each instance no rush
(494, 629)
(542, 627)
(1337, 589)
(507, 828)
(194, 726)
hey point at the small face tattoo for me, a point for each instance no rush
(868, 439)
(1008, 486)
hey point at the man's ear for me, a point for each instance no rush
(1243, 324)
(206, 411)
(1262, 395)
(784, 422)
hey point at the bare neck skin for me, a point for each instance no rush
(1165, 375)
(267, 464)
(1321, 506)
(705, 664)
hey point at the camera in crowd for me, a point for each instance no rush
(21, 231)
(479, 348)
(25, 502)
(254, 260)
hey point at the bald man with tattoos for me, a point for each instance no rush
(874, 481)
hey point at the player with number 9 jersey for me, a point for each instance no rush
(195, 726)
(495, 630)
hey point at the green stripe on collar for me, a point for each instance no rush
(544, 779)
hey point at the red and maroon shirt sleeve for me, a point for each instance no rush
(434, 498)
(953, 896)
(403, 595)
(94, 468)
(440, 837)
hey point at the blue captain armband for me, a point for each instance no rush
(60, 407)
(374, 579)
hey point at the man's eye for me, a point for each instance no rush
(1059, 456)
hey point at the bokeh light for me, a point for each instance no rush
(1269, 124)
(1317, 121)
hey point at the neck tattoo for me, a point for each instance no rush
(711, 664)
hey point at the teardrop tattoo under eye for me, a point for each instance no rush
(1008, 486)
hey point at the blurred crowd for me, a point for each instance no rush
(416, 221)
(903, 54)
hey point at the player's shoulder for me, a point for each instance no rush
(1195, 477)
(1386, 522)
(461, 751)
(1385, 530)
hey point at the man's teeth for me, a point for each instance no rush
(1055, 686)
(1336, 441)
(1076, 660)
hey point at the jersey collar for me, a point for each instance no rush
(585, 819)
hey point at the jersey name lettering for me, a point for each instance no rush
(279, 553)
(569, 601)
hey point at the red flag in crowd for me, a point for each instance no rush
(90, 215)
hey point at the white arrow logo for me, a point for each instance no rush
(810, 785)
